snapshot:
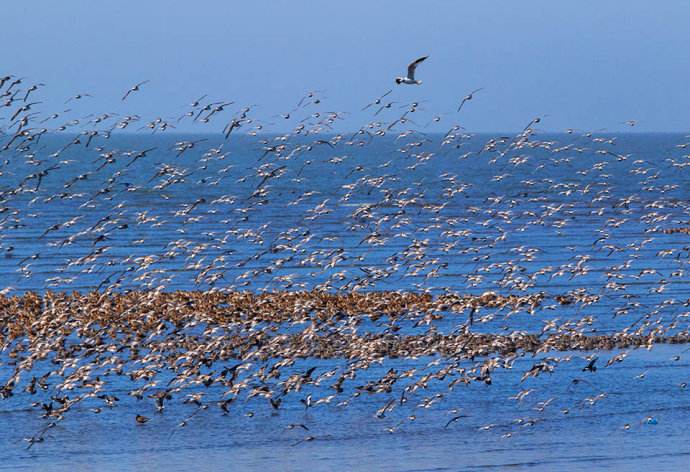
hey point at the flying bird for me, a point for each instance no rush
(410, 80)
(468, 97)
(378, 100)
(455, 418)
(591, 367)
(77, 97)
(134, 89)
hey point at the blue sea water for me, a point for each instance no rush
(455, 217)
(614, 421)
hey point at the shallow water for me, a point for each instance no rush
(352, 437)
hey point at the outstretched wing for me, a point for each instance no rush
(411, 68)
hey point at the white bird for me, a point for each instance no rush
(410, 80)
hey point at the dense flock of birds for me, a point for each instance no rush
(363, 274)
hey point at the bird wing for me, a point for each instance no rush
(454, 419)
(411, 68)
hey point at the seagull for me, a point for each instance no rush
(77, 97)
(134, 89)
(410, 80)
(455, 418)
(196, 102)
(378, 100)
(468, 97)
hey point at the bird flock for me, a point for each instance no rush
(207, 269)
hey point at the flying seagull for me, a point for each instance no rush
(134, 89)
(410, 80)
(468, 97)
(378, 100)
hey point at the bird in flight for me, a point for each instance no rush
(77, 97)
(134, 89)
(468, 97)
(378, 100)
(409, 79)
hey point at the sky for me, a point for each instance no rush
(579, 64)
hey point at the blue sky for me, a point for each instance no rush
(585, 64)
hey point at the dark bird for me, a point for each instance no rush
(591, 367)
(454, 419)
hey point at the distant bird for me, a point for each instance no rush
(377, 101)
(134, 89)
(410, 80)
(297, 425)
(591, 367)
(196, 102)
(78, 97)
(455, 418)
(468, 97)
(33, 88)
(306, 439)
(141, 419)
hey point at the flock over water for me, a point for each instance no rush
(264, 275)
